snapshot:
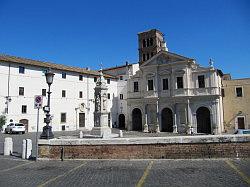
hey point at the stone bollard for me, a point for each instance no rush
(24, 149)
(120, 134)
(80, 134)
(8, 146)
(27, 149)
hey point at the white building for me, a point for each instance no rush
(163, 92)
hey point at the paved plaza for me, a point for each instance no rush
(17, 172)
(211, 172)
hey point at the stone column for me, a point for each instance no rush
(175, 130)
(157, 128)
(217, 121)
(189, 117)
(194, 123)
(145, 128)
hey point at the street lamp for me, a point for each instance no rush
(47, 132)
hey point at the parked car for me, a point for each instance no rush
(15, 128)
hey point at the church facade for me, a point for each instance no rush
(164, 92)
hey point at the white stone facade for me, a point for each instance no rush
(180, 104)
(167, 92)
(33, 81)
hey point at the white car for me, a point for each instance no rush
(15, 128)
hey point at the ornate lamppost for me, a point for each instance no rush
(47, 132)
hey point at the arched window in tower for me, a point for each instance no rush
(144, 43)
(151, 41)
(148, 44)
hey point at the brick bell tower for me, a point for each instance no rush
(150, 43)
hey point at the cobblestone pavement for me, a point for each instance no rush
(17, 172)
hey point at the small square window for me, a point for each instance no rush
(43, 92)
(239, 92)
(121, 96)
(24, 109)
(63, 117)
(108, 81)
(63, 93)
(80, 77)
(80, 94)
(63, 75)
(108, 95)
(21, 91)
(121, 77)
(21, 69)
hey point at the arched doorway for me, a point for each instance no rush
(136, 120)
(121, 121)
(203, 120)
(26, 123)
(167, 120)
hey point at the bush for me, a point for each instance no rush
(2, 121)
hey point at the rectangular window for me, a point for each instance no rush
(147, 56)
(24, 109)
(95, 79)
(63, 127)
(108, 95)
(222, 92)
(144, 57)
(150, 85)
(136, 87)
(63, 117)
(109, 119)
(63, 93)
(201, 81)
(21, 69)
(239, 92)
(43, 92)
(108, 81)
(80, 94)
(165, 84)
(80, 77)
(179, 82)
(63, 75)
(121, 96)
(21, 90)
(121, 77)
(144, 43)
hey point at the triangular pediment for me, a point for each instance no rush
(164, 57)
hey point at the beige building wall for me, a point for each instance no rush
(234, 106)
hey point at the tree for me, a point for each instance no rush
(2, 121)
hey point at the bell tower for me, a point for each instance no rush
(150, 43)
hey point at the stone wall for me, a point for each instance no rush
(150, 148)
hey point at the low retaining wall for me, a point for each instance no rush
(181, 147)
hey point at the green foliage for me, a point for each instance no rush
(2, 121)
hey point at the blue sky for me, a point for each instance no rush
(87, 33)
